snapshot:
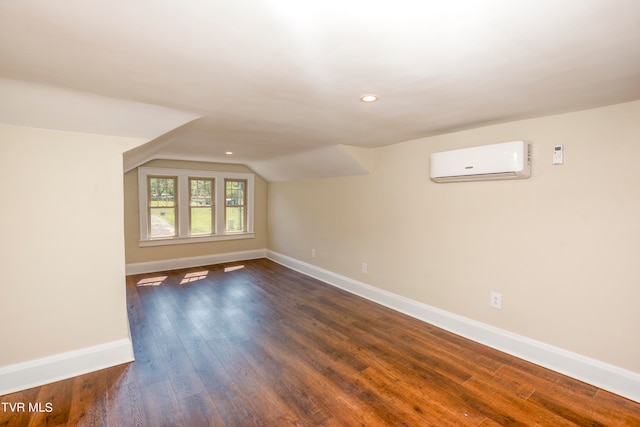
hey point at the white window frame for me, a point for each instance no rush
(183, 229)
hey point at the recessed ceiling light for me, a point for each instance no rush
(228, 153)
(369, 98)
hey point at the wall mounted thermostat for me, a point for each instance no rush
(558, 154)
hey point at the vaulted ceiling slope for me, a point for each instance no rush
(278, 81)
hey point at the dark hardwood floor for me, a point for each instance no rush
(263, 345)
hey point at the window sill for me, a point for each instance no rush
(195, 239)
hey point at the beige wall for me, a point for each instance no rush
(563, 247)
(136, 254)
(62, 261)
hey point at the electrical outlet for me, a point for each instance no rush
(313, 253)
(364, 267)
(496, 300)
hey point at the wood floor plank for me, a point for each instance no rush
(262, 345)
(124, 399)
(507, 408)
(200, 410)
(89, 401)
(58, 395)
(14, 417)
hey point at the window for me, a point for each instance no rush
(201, 206)
(162, 206)
(235, 205)
(184, 206)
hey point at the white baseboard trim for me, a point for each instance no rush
(172, 264)
(34, 373)
(608, 377)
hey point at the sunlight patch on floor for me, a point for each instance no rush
(194, 277)
(151, 281)
(233, 268)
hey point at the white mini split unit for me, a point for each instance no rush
(508, 160)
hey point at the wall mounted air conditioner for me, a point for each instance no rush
(508, 160)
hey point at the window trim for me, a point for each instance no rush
(183, 229)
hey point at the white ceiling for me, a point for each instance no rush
(272, 80)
